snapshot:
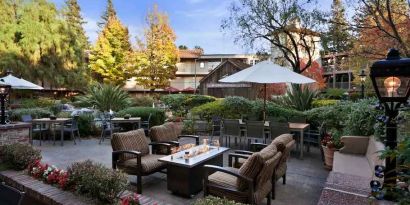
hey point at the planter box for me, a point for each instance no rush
(50, 195)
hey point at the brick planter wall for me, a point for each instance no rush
(51, 195)
(16, 132)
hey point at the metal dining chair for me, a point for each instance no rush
(107, 127)
(72, 128)
(255, 130)
(231, 128)
(216, 126)
(10, 195)
(37, 128)
(145, 124)
(277, 128)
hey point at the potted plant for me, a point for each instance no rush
(127, 116)
(330, 143)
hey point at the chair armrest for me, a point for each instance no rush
(158, 144)
(236, 156)
(243, 152)
(354, 144)
(257, 146)
(116, 155)
(190, 136)
(173, 143)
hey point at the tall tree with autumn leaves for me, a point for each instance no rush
(110, 56)
(156, 57)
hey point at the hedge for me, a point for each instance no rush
(37, 103)
(324, 102)
(181, 103)
(15, 114)
(158, 115)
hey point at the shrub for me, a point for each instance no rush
(18, 156)
(297, 97)
(323, 102)
(208, 110)
(15, 114)
(279, 112)
(348, 118)
(105, 97)
(236, 107)
(158, 115)
(95, 180)
(86, 125)
(335, 93)
(37, 103)
(212, 200)
(143, 101)
(181, 103)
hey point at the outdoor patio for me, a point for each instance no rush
(305, 178)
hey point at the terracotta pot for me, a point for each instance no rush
(328, 153)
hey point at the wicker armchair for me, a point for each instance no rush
(283, 143)
(249, 184)
(168, 133)
(131, 154)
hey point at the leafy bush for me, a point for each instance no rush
(86, 125)
(95, 180)
(181, 103)
(37, 103)
(18, 156)
(105, 97)
(143, 101)
(323, 102)
(15, 114)
(208, 110)
(297, 97)
(235, 107)
(335, 93)
(158, 115)
(279, 112)
(212, 200)
(348, 118)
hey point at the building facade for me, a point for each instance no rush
(337, 70)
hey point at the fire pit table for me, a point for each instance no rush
(184, 168)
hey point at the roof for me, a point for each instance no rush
(196, 53)
(19, 83)
(240, 65)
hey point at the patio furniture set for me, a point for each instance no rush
(190, 168)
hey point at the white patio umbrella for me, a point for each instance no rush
(20, 84)
(267, 72)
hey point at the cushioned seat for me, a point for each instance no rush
(149, 163)
(352, 164)
(224, 179)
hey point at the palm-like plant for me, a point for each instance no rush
(105, 97)
(298, 97)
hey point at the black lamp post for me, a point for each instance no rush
(391, 81)
(362, 76)
(4, 91)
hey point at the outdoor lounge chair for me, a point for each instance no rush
(10, 195)
(284, 144)
(131, 154)
(169, 133)
(249, 184)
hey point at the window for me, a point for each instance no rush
(202, 65)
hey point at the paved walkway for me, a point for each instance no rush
(305, 178)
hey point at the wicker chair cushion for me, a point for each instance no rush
(280, 170)
(262, 192)
(250, 169)
(174, 127)
(224, 179)
(133, 140)
(268, 152)
(282, 141)
(149, 163)
(266, 173)
(162, 133)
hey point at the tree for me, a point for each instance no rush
(110, 57)
(183, 47)
(109, 12)
(382, 24)
(285, 24)
(199, 48)
(157, 57)
(337, 38)
(77, 43)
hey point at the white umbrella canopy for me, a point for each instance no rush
(20, 84)
(267, 72)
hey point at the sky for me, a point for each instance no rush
(195, 22)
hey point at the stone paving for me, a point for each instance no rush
(305, 178)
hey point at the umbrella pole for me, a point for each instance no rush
(264, 104)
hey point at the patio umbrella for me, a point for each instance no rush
(20, 84)
(267, 72)
(171, 89)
